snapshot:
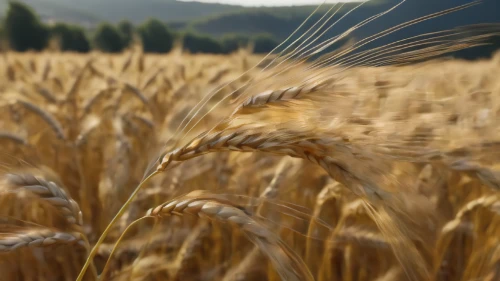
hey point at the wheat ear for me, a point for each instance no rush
(288, 264)
(287, 94)
(51, 193)
(13, 137)
(54, 195)
(39, 238)
(458, 222)
(46, 93)
(251, 141)
(394, 210)
(45, 116)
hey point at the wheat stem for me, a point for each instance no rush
(122, 210)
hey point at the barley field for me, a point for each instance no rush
(293, 172)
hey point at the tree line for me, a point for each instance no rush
(22, 30)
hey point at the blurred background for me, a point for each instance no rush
(211, 26)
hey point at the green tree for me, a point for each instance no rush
(264, 43)
(71, 38)
(233, 42)
(3, 40)
(23, 28)
(195, 43)
(156, 37)
(126, 29)
(107, 38)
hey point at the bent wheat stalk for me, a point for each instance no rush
(288, 264)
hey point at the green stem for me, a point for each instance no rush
(110, 225)
(106, 267)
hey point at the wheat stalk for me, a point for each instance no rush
(326, 194)
(187, 250)
(46, 70)
(270, 192)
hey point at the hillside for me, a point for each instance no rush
(280, 22)
(218, 20)
(58, 10)
(94, 11)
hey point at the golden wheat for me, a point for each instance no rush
(393, 173)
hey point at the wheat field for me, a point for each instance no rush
(301, 173)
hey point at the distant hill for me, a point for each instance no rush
(280, 22)
(94, 11)
(58, 10)
(218, 20)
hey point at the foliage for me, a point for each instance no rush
(155, 37)
(4, 43)
(264, 43)
(127, 32)
(108, 39)
(233, 42)
(230, 31)
(248, 23)
(196, 43)
(71, 37)
(24, 29)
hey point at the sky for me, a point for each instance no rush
(269, 2)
